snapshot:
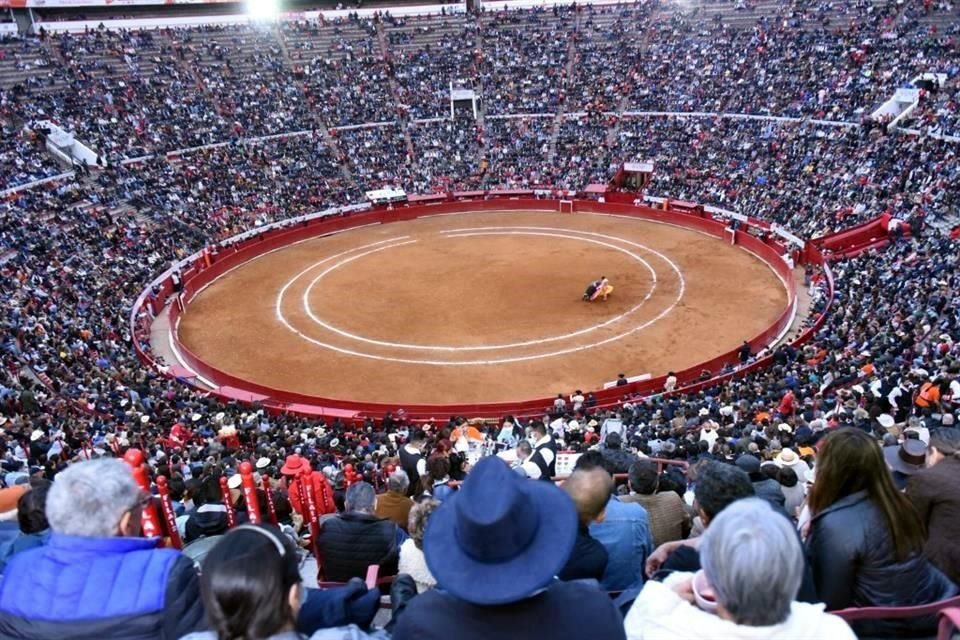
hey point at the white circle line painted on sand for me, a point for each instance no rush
(370, 356)
(495, 347)
(289, 283)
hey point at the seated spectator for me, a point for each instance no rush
(495, 548)
(792, 490)
(32, 520)
(412, 561)
(718, 486)
(752, 569)
(589, 490)
(394, 505)
(866, 539)
(210, 516)
(624, 533)
(904, 460)
(618, 458)
(789, 458)
(251, 588)
(79, 585)
(764, 486)
(295, 469)
(935, 493)
(666, 512)
(352, 541)
(437, 481)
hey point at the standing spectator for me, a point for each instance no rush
(935, 493)
(666, 512)
(495, 548)
(412, 561)
(34, 530)
(589, 490)
(559, 404)
(866, 539)
(544, 455)
(670, 383)
(79, 585)
(612, 424)
(413, 461)
(753, 567)
(394, 504)
(356, 539)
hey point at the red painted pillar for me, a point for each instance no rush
(250, 492)
(227, 503)
(150, 522)
(166, 505)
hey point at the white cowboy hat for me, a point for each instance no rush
(787, 458)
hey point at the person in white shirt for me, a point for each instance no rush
(613, 424)
(709, 433)
(670, 383)
(577, 400)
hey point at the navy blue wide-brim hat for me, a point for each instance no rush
(501, 538)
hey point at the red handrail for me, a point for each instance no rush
(879, 613)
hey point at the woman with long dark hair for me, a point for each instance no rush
(251, 589)
(865, 540)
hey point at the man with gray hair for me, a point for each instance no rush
(97, 578)
(357, 538)
(394, 505)
(752, 569)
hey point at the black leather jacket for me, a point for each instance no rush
(854, 565)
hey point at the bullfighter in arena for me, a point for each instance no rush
(598, 289)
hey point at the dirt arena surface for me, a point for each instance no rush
(480, 307)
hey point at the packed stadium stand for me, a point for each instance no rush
(747, 499)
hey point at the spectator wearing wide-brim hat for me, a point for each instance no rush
(495, 548)
(296, 468)
(789, 458)
(905, 459)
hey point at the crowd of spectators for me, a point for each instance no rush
(804, 435)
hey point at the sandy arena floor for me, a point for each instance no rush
(480, 307)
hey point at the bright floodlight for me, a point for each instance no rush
(263, 9)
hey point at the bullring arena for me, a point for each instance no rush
(480, 307)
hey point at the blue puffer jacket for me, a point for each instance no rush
(79, 588)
